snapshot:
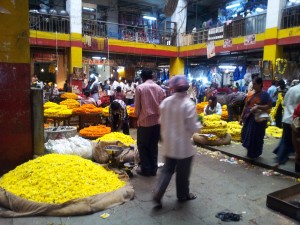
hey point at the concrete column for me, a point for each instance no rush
(38, 120)
(271, 49)
(179, 16)
(74, 8)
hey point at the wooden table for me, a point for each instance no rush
(57, 120)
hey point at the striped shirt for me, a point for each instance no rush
(148, 96)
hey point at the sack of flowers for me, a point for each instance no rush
(203, 139)
(61, 185)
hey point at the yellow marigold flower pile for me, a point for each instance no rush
(234, 129)
(57, 111)
(105, 111)
(94, 131)
(275, 108)
(48, 105)
(200, 107)
(212, 124)
(117, 136)
(69, 95)
(224, 115)
(56, 178)
(70, 103)
(274, 131)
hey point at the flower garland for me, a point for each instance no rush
(275, 108)
(281, 65)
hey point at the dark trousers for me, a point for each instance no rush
(147, 143)
(129, 101)
(125, 124)
(183, 171)
(285, 146)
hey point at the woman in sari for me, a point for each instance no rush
(253, 132)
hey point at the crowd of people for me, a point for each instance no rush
(166, 112)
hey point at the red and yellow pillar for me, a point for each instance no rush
(15, 107)
(271, 50)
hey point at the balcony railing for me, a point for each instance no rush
(49, 23)
(290, 17)
(126, 32)
(235, 28)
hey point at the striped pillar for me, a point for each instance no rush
(15, 106)
(271, 49)
(74, 8)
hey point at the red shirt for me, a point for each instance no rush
(296, 111)
(148, 96)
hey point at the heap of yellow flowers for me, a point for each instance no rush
(234, 129)
(87, 109)
(105, 111)
(212, 124)
(70, 103)
(275, 108)
(50, 105)
(69, 95)
(117, 136)
(274, 131)
(56, 179)
(200, 107)
(57, 111)
(94, 131)
(224, 115)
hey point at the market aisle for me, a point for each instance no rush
(240, 188)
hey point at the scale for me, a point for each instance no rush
(113, 151)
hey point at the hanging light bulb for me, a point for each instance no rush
(56, 68)
(42, 70)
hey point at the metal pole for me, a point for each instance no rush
(38, 120)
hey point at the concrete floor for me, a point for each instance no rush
(240, 188)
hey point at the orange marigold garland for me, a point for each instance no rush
(94, 131)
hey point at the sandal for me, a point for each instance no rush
(191, 196)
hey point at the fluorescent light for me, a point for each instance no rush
(149, 17)
(233, 5)
(103, 58)
(88, 8)
(227, 67)
(96, 57)
(259, 9)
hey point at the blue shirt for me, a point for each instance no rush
(271, 91)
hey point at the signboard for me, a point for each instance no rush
(250, 39)
(210, 49)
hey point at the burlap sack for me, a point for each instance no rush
(203, 140)
(19, 207)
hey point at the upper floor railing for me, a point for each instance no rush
(290, 17)
(49, 23)
(235, 28)
(230, 29)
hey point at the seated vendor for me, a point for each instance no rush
(213, 106)
(235, 104)
(87, 99)
(118, 116)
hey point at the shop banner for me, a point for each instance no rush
(210, 49)
(250, 39)
(227, 43)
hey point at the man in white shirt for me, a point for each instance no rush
(285, 147)
(213, 107)
(129, 91)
